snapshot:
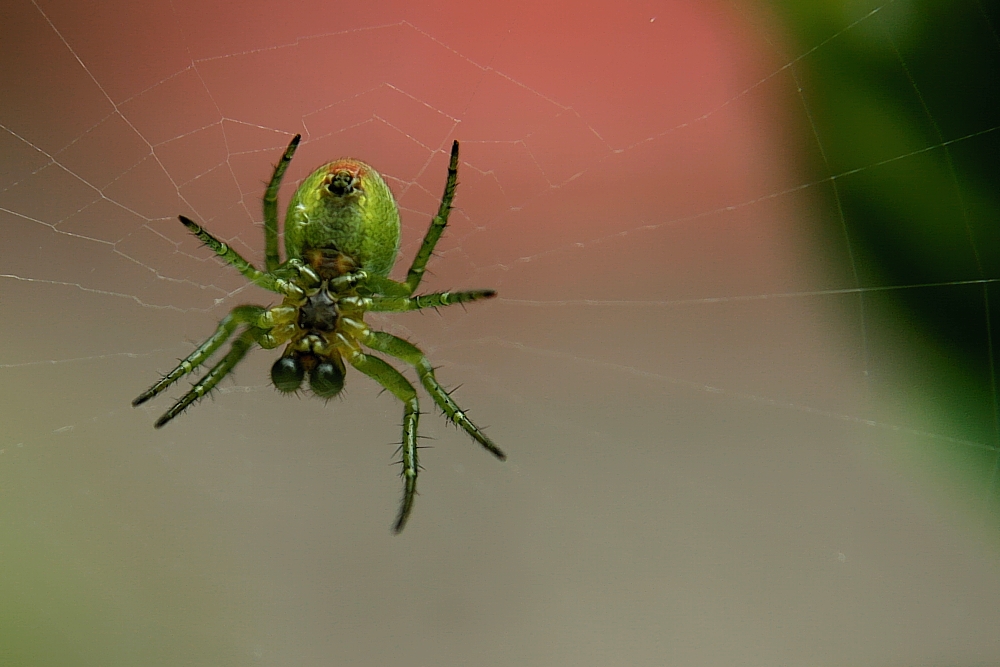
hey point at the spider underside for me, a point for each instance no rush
(341, 237)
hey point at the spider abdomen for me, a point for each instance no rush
(345, 206)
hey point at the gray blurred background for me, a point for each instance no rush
(742, 362)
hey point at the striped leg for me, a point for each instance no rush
(271, 257)
(237, 316)
(393, 380)
(237, 351)
(253, 274)
(411, 354)
(398, 304)
(438, 224)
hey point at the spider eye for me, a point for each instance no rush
(287, 374)
(326, 379)
(342, 183)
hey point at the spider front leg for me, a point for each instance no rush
(237, 351)
(237, 316)
(411, 354)
(400, 387)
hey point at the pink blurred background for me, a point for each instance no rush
(675, 365)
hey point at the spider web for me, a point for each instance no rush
(741, 361)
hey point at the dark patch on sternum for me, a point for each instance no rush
(319, 313)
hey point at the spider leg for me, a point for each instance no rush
(375, 284)
(237, 351)
(393, 380)
(233, 258)
(411, 354)
(271, 257)
(438, 224)
(237, 316)
(398, 304)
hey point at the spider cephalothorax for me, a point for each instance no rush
(341, 240)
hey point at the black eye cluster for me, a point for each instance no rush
(287, 374)
(326, 376)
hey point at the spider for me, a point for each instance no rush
(341, 241)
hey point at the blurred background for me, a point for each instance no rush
(742, 361)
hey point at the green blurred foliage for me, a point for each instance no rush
(904, 101)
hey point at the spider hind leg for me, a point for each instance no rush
(272, 259)
(437, 226)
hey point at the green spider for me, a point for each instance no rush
(341, 239)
